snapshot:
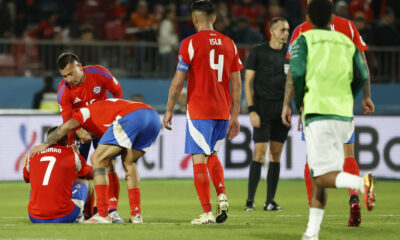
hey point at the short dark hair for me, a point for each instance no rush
(63, 141)
(203, 6)
(320, 12)
(275, 20)
(66, 58)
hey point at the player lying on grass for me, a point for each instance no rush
(124, 127)
(58, 187)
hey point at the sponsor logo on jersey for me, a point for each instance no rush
(97, 89)
(77, 100)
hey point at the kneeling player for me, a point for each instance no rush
(124, 127)
(57, 195)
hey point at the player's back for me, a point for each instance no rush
(212, 57)
(98, 116)
(52, 174)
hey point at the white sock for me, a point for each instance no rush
(314, 221)
(347, 180)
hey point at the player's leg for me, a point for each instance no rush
(351, 166)
(279, 133)
(113, 188)
(129, 158)
(307, 173)
(275, 151)
(260, 149)
(88, 210)
(80, 190)
(197, 143)
(216, 170)
(100, 160)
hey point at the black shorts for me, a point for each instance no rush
(272, 128)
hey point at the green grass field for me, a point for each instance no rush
(168, 205)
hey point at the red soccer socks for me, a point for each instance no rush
(202, 184)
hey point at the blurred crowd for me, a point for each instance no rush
(246, 21)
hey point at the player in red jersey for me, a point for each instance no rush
(80, 87)
(210, 60)
(350, 165)
(125, 128)
(57, 195)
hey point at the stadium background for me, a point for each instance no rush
(107, 32)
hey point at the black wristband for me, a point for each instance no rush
(251, 108)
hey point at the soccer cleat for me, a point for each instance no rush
(222, 208)
(271, 206)
(205, 218)
(305, 237)
(136, 219)
(369, 194)
(355, 212)
(115, 218)
(250, 206)
(97, 219)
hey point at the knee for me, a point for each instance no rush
(98, 162)
(259, 156)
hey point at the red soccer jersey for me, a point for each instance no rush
(211, 57)
(98, 81)
(97, 117)
(52, 173)
(340, 25)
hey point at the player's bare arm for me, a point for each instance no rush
(248, 91)
(174, 93)
(234, 126)
(83, 135)
(367, 103)
(289, 93)
(60, 132)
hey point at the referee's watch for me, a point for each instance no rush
(251, 108)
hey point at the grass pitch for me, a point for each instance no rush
(168, 206)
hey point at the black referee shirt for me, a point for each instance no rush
(271, 67)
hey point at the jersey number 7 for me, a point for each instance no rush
(52, 161)
(217, 66)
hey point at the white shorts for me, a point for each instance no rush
(324, 145)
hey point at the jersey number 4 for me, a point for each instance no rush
(52, 161)
(217, 66)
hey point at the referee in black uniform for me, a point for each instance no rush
(267, 67)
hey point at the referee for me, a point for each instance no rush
(266, 68)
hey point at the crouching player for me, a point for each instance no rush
(124, 127)
(58, 189)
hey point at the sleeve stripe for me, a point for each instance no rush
(99, 70)
(60, 93)
(100, 73)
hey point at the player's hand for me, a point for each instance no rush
(84, 136)
(233, 128)
(368, 106)
(75, 148)
(255, 119)
(300, 119)
(167, 120)
(37, 149)
(286, 115)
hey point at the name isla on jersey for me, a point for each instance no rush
(215, 41)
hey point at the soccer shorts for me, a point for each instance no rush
(79, 194)
(351, 140)
(324, 145)
(272, 128)
(204, 135)
(137, 130)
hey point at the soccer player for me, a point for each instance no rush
(266, 68)
(210, 60)
(57, 195)
(80, 87)
(350, 164)
(125, 128)
(326, 93)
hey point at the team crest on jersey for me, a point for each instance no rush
(78, 186)
(97, 89)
